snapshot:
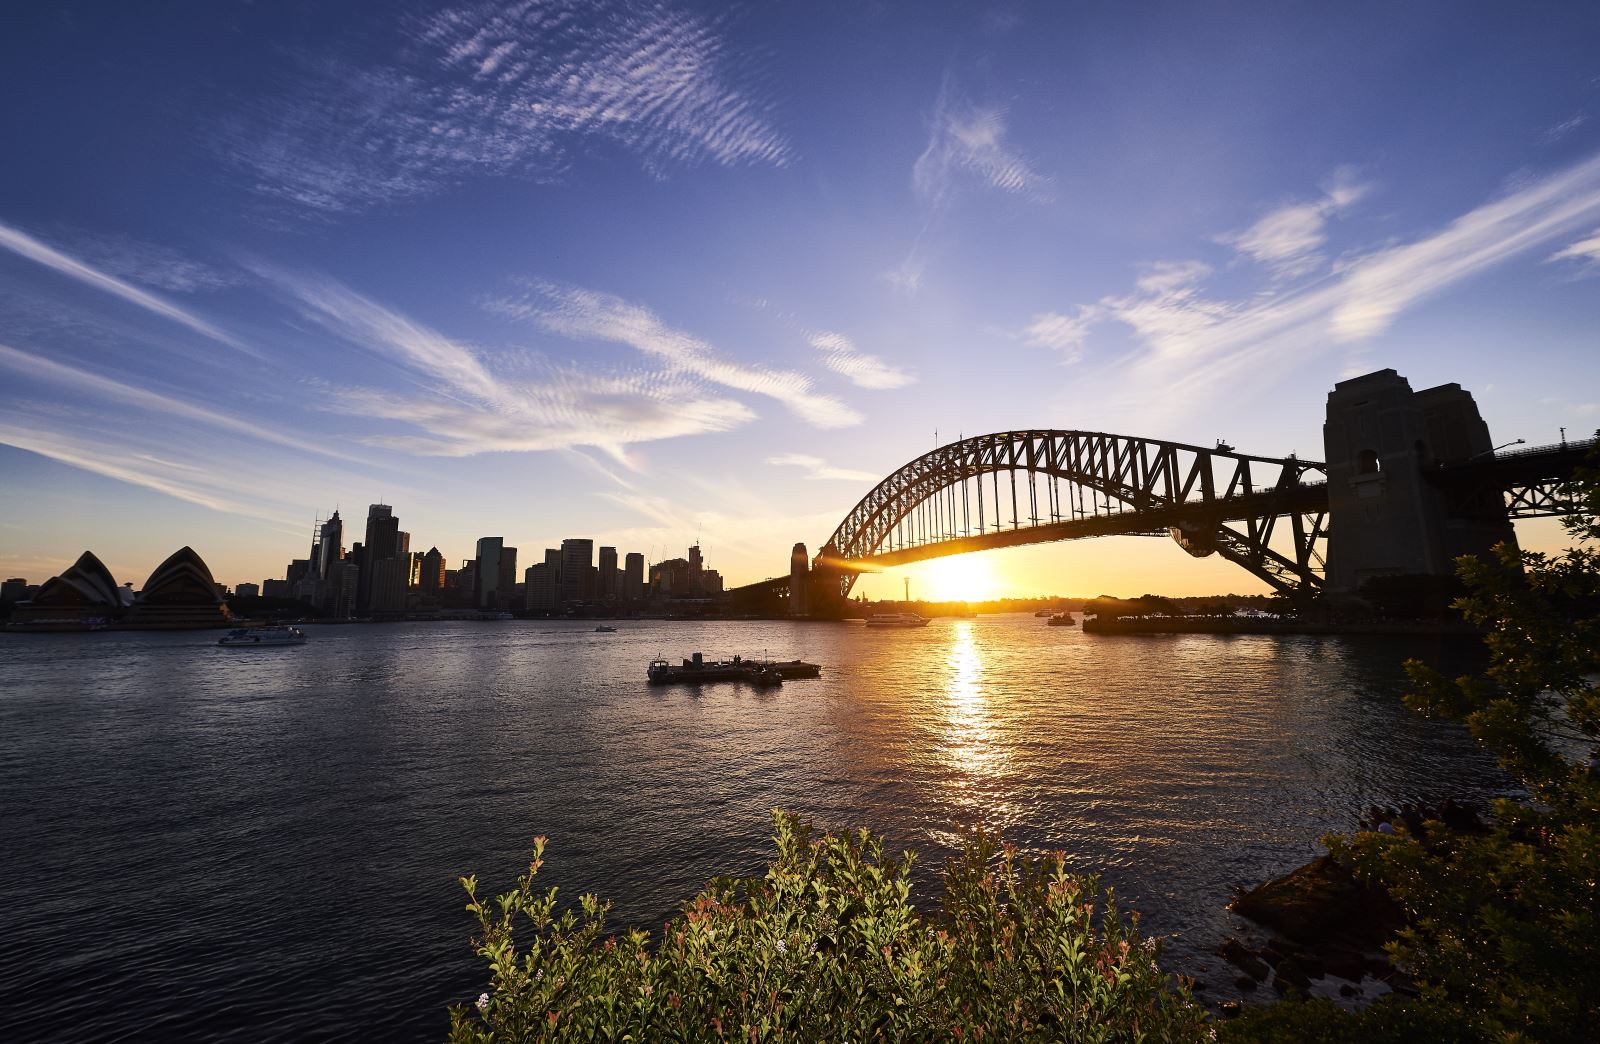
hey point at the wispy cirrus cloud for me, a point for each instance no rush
(1289, 239)
(1587, 249)
(1196, 341)
(468, 406)
(865, 371)
(818, 469)
(968, 141)
(507, 89)
(592, 315)
(27, 247)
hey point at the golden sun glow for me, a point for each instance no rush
(961, 578)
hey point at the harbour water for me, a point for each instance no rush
(204, 843)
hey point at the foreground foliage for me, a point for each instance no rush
(1503, 927)
(826, 946)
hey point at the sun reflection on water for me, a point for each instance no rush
(973, 751)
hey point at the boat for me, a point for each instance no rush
(1062, 620)
(603, 629)
(260, 637)
(896, 620)
(698, 669)
(1044, 614)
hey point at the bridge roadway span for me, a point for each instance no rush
(951, 501)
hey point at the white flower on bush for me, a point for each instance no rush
(483, 1002)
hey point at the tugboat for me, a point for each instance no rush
(757, 672)
(260, 637)
(896, 620)
(1062, 620)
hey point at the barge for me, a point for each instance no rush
(698, 669)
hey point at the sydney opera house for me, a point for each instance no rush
(179, 595)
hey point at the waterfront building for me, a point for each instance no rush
(387, 590)
(341, 589)
(608, 576)
(276, 589)
(84, 594)
(431, 576)
(508, 598)
(247, 591)
(633, 578)
(543, 588)
(684, 578)
(13, 589)
(577, 561)
(330, 546)
(298, 570)
(486, 573)
(799, 581)
(179, 595)
(382, 544)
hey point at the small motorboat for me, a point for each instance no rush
(764, 677)
(262, 637)
(603, 629)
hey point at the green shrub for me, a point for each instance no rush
(826, 946)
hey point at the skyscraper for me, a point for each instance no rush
(432, 578)
(382, 544)
(608, 575)
(330, 546)
(577, 559)
(508, 578)
(633, 578)
(486, 572)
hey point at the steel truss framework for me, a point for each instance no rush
(1024, 487)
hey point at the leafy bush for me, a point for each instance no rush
(826, 946)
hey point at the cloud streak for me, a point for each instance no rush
(25, 246)
(591, 315)
(969, 141)
(863, 370)
(820, 470)
(1190, 340)
(507, 89)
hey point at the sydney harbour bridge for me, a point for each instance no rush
(1410, 481)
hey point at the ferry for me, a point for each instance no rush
(1062, 620)
(761, 673)
(896, 620)
(259, 637)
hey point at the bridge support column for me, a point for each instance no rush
(1387, 515)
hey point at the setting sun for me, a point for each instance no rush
(960, 578)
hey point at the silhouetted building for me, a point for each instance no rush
(577, 561)
(543, 588)
(608, 576)
(387, 592)
(180, 594)
(276, 589)
(509, 597)
(633, 578)
(403, 545)
(799, 581)
(13, 589)
(247, 591)
(341, 590)
(430, 577)
(486, 573)
(382, 544)
(298, 570)
(330, 546)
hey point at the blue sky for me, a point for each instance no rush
(650, 272)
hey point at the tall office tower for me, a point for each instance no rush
(431, 579)
(608, 575)
(577, 558)
(330, 547)
(382, 544)
(486, 572)
(508, 577)
(696, 564)
(543, 592)
(403, 542)
(342, 594)
(388, 585)
(633, 578)
(298, 570)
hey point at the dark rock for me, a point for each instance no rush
(1230, 1009)
(1238, 954)
(1347, 990)
(1244, 984)
(1320, 901)
(1296, 973)
(1345, 963)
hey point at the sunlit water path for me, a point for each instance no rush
(205, 843)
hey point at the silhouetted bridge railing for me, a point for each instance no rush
(1268, 515)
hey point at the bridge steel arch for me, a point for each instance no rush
(1061, 485)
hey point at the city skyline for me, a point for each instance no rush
(252, 260)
